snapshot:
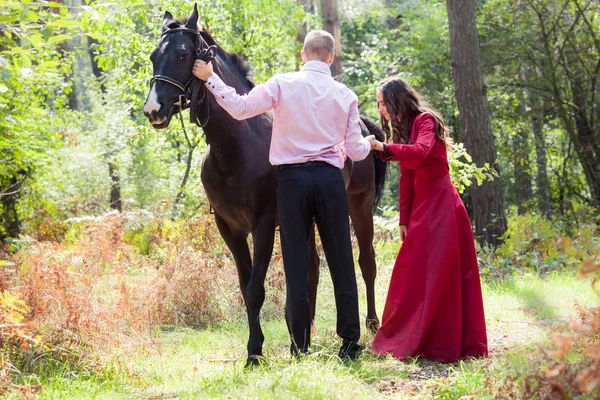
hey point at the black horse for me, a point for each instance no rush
(238, 179)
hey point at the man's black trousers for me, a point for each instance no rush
(315, 192)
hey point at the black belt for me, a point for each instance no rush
(305, 164)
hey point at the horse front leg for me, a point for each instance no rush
(362, 220)
(263, 237)
(238, 245)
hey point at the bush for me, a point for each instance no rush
(95, 290)
(534, 243)
(114, 278)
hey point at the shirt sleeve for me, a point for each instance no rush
(407, 193)
(426, 138)
(385, 154)
(356, 146)
(261, 98)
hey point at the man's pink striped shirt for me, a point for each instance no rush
(315, 118)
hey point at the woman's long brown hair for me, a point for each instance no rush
(403, 104)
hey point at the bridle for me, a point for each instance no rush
(204, 52)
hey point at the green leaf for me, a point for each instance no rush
(59, 38)
(25, 60)
(12, 17)
(48, 66)
(36, 40)
(32, 16)
(64, 23)
(91, 11)
(47, 32)
(39, 111)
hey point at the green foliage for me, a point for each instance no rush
(534, 54)
(61, 123)
(417, 49)
(33, 92)
(62, 155)
(534, 243)
(464, 172)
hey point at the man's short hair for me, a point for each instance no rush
(319, 44)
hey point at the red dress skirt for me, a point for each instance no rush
(434, 306)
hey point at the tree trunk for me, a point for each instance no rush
(90, 45)
(332, 25)
(96, 70)
(302, 31)
(574, 97)
(73, 47)
(588, 144)
(115, 187)
(522, 171)
(543, 186)
(488, 199)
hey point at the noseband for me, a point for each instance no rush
(204, 52)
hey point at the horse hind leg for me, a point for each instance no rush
(362, 220)
(313, 278)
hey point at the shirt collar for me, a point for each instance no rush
(317, 66)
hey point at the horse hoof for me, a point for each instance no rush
(372, 324)
(253, 361)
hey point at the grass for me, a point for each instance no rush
(185, 363)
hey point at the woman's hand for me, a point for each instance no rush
(403, 232)
(375, 144)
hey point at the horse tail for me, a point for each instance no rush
(380, 165)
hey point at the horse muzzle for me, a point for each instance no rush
(158, 120)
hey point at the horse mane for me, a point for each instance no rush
(237, 61)
(380, 165)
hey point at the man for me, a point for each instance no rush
(313, 118)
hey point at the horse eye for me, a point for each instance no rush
(183, 56)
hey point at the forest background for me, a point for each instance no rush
(100, 214)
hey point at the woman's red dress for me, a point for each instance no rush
(434, 306)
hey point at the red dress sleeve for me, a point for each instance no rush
(407, 193)
(426, 138)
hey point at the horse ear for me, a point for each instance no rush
(193, 21)
(168, 17)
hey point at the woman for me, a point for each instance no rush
(434, 306)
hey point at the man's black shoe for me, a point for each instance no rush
(350, 351)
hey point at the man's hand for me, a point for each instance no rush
(375, 144)
(202, 70)
(403, 232)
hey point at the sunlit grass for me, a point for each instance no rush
(208, 363)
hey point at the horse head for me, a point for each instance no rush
(172, 61)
